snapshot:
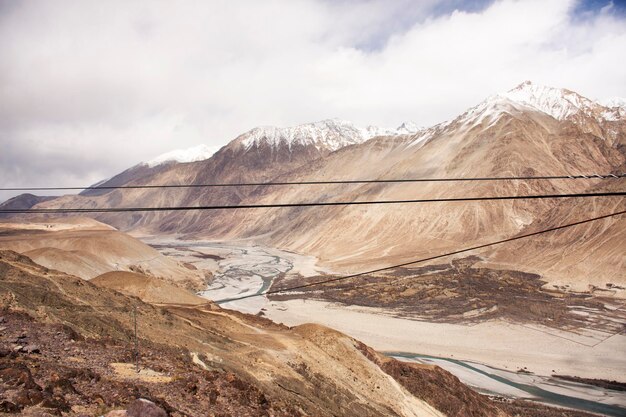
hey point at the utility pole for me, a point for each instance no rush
(136, 340)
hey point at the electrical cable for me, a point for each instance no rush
(323, 182)
(422, 260)
(310, 204)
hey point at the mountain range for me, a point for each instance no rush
(531, 130)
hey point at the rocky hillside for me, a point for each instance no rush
(68, 348)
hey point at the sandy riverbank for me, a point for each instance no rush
(500, 344)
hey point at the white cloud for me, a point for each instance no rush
(88, 88)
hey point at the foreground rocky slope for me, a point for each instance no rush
(67, 348)
(303, 371)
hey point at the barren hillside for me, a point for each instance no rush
(87, 248)
(234, 362)
(528, 131)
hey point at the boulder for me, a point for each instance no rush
(18, 375)
(31, 349)
(116, 413)
(145, 408)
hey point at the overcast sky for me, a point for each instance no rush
(90, 88)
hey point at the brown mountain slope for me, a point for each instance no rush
(588, 257)
(499, 137)
(307, 370)
(22, 201)
(149, 289)
(235, 162)
(87, 248)
(75, 356)
(371, 236)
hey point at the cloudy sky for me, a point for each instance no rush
(89, 88)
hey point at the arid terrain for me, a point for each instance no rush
(578, 350)
(313, 208)
(88, 248)
(540, 134)
(68, 347)
(505, 330)
(462, 292)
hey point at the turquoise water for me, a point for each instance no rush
(539, 393)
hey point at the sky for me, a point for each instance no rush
(89, 88)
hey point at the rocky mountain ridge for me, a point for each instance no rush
(333, 134)
(530, 130)
(329, 135)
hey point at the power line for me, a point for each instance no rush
(311, 204)
(323, 182)
(346, 277)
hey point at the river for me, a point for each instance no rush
(244, 269)
(239, 269)
(549, 390)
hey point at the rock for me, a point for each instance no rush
(71, 333)
(27, 397)
(144, 408)
(18, 375)
(18, 348)
(8, 407)
(2, 319)
(32, 349)
(56, 402)
(2, 328)
(34, 412)
(213, 394)
(59, 385)
(116, 413)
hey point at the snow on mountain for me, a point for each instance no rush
(196, 153)
(559, 103)
(615, 108)
(331, 134)
(614, 102)
(490, 109)
(408, 128)
(562, 104)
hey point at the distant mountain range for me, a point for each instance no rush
(22, 202)
(529, 130)
(326, 135)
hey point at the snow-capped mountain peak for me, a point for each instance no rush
(196, 153)
(330, 134)
(614, 102)
(557, 102)
(408, 128)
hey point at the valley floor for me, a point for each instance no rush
(497, 344)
